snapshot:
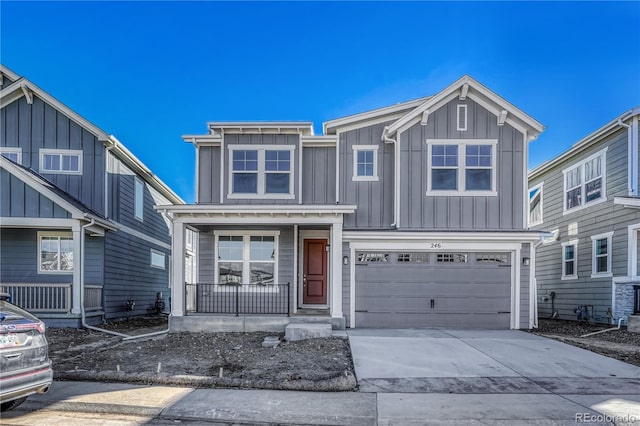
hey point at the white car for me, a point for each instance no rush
(25, 367)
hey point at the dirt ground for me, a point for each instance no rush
(618, 344)
(200, 359)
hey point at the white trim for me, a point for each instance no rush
(356, 149)
(296, 267)
(58, 234)
(142, 236)
(60, 153)
(300, 160)
(461, 167)
(246, 252)
(261, 172)
(153, 252)
(197, 176)
(138, 199)
(177, 282)
(581, 163)
(261, 127)
(629, 202)
(540, 188)
(320, 141)
(401, 236)
(335, 271)
(36, 222)
(222, 174)
(525, 181)
(574, 276)
(398, 180)
(12, 150)
(461, 108)
(607, 274)
(632, 249)
(515, 287)
(338, 134)
(633, 184)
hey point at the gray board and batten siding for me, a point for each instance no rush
(592, 220)
(40, 126)
(501, 212)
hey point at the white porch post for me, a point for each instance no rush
(336, 269)
(177, 274)
(78, 258)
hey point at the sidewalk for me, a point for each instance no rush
(214, 405)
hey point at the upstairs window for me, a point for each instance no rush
(61, 161)
(139, 199)
(584, 183)
(260, 171)
(13, 154)
(365, 163)
(535, 205)
(462, 167)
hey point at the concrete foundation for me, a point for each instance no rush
(247, 324)
(294, 332)
(633, 324)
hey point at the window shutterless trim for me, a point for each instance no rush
(261, 172)
(246, 252)
(594, 258)
(358, 148)
(138, 199)
(461, 167)
(573, 276)
(60, 153)
(58, 234)
(540, 188)
(12, 150)
(157, 265)
(461, 119)
(582, 186)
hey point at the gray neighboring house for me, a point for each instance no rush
(412, 215)
(79, 236)
(588, 198)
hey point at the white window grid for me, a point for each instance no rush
(357, 149)
(261, 172)
(580, 176)
(461, 167)
(12, 153)
(69, 161)
(566, 247)
(57, 236)
(596, 254)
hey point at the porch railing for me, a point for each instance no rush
(92, 297)
(54, 298)
(239, 299)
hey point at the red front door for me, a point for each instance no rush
(315, 272)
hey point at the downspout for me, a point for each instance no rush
(533, 306)
(83, 313)
(631, 187)
(396, 185)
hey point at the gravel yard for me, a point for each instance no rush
(619, 344)
(200, 359)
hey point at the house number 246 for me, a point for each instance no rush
(435, 245)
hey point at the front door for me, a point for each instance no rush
(314, 280)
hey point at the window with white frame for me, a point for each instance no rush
(157, 259)
(462, 118)
(365, 162)
(535, 205)
(570, 260)
(139, 199)
(247, 258)
(61, 161)
(56, 252)
(584, 183)
(462, 167)
(601, 255)
(12, 153)
(260, 171)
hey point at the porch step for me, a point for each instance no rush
(304, 331)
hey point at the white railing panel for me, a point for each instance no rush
(40, 297)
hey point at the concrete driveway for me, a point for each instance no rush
(460, 376)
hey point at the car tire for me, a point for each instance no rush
(10, 405)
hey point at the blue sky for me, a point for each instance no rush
(149, 72)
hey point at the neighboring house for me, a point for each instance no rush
(78, 232)
(588, 198)
(406, 216)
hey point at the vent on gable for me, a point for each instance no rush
(462, 118)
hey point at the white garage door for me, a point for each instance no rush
(420, 289)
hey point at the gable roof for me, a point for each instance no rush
(75, 207)
(586, 142)
(464, 87)
(23, 87)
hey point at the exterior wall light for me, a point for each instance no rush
(345, 260)
(526, 261)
